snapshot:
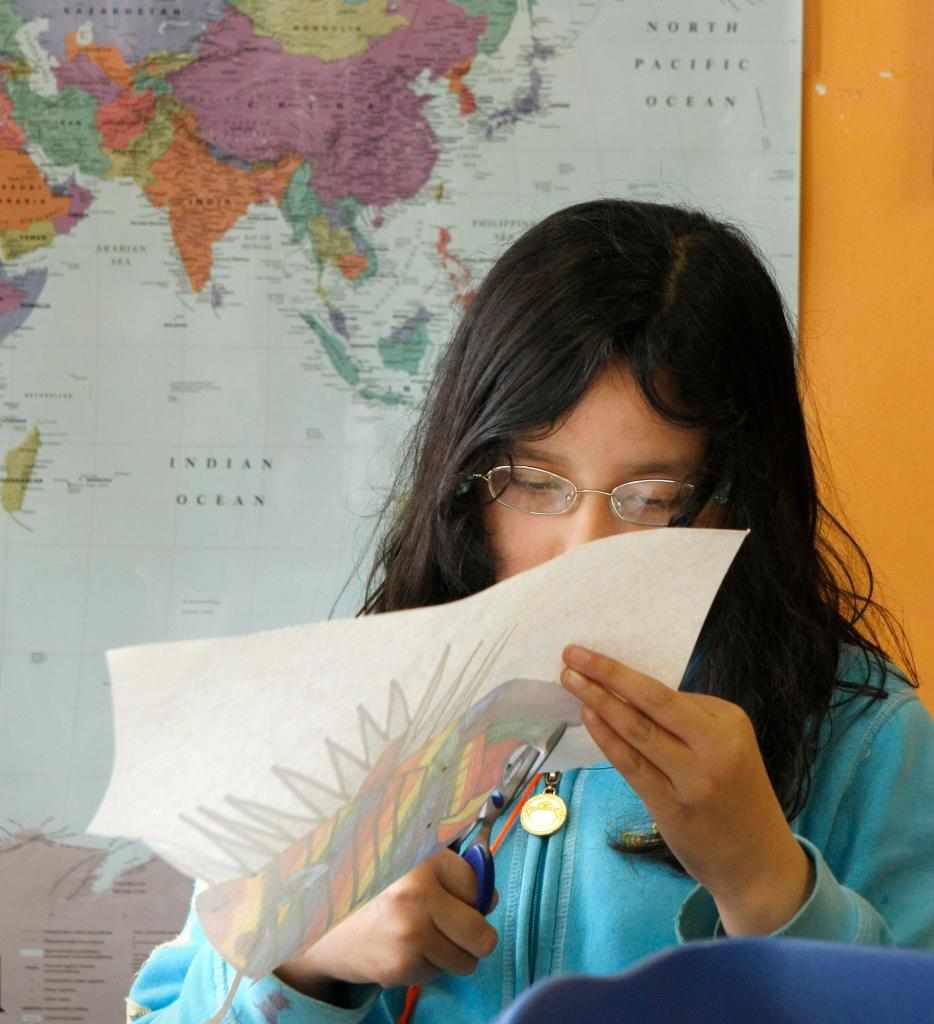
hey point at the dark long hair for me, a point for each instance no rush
(685, 303)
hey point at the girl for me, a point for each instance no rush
(627, 366)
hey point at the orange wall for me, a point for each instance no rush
(867, 284)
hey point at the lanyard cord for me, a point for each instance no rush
(414, 991)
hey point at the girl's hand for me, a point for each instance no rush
(695, 762)
(420, 926)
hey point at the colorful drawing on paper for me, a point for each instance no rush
(417, 786)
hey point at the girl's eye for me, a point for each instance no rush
(535, 480)
(538, 485)
(648, 502)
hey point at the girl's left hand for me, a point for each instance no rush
(695, 762)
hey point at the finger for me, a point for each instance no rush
(459, 879)
(681, 716)
(456, 876)
(665, 750)
(454, 911)
(448, 956)
(464, 926)
(425, 971)
(650, 784)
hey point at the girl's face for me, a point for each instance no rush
(612, 436)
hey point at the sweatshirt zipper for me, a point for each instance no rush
(552, 779)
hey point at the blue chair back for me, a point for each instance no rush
(744, 981)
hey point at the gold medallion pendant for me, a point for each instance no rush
(545, 812)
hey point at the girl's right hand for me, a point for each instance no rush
(422, 925)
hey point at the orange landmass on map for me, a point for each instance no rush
(455, 77)
(205, 197)
(11, 135)
(25, 196)
(108, 58)
(121, 121)
(352, 264)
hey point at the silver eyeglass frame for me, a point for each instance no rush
(578, 491)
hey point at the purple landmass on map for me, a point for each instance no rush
(18, 296)
(439, 35)
(136, 29)
(355, 121)
(527, 104)
(84, 74)
(405, 331)
(540, 51)
(81, 199)
(523, 107)
(337, 217)
(339, 322)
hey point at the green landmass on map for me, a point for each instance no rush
(405, 355)
(64, 125)
(500, 15)
(10, 23)
(300, 204)
(334, 241)
(384, 397)
(342, 361)
(336, 351)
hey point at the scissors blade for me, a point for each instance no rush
(521, 766)
(525, 761)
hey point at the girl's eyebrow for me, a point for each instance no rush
(528, 451)
(661, 468)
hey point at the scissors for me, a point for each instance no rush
(522, 764)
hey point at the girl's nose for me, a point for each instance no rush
(592, 518)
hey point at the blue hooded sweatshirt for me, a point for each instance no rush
(569, 903)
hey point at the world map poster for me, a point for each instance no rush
(234, 239)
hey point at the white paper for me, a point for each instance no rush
(235, 757)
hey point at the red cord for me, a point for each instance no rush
(411, 998)
(414, 991)
(516, 811)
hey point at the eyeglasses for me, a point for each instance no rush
(541, 493)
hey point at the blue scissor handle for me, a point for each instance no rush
(480, 859)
